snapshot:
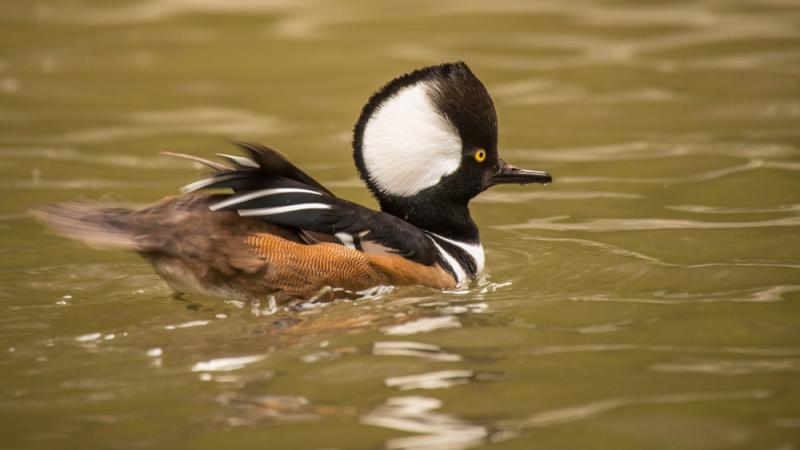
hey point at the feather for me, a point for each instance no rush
(269, 187)
(96, 224)
(214, 165)
(240, 161)
(273, 162)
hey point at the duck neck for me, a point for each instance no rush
(443, 218)
(451, 229)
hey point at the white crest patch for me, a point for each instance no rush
(408, 144)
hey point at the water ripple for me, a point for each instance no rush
(646, 150)
(524, 197)
(247, 410)
(703, 209)
(693, 178)
(225, 121)
(417, 349)
(532, 91)
(431, 380)
(547, 350)
(731, 367)
(226, 364)
(555, 223)
(155, 10)
(581, 412)
(416, 414)
(150, 162)
(422, 326)
(625, 252)
(758, 295)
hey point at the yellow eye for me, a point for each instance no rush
(480, 155)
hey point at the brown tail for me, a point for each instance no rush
(96, 224)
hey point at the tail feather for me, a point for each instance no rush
(96, 224)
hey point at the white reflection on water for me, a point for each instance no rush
(422, 325)
(226, 364)
(438, 431)
(431, 380)
(189, 324)
(417, 349)
(89, 337)
(475, 308)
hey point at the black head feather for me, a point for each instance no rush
(463, 100)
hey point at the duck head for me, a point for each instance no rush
(426, 144)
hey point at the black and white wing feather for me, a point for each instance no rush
(271, 188)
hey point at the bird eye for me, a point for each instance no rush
(480, 155)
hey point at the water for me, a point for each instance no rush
(649, 298)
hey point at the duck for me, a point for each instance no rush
(425, 144)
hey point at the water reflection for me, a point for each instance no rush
(416, 349)
(226, 364)
(524, 197)
(431, 380)
(705, 209)
(422, 325)
(739, 367)
(556, 223)
(565, 415)
(250, 410)
(649, 150)
(189, 324)
(750, 165)
(416, 414)
(672, 131)
(766, 295)
(224, 121)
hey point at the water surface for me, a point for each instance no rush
(647, 299)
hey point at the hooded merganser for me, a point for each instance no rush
(425, 144)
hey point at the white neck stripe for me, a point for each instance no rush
(458, 271)
(475, 251)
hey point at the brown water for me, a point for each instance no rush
(649, 298)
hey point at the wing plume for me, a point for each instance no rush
(269, 187)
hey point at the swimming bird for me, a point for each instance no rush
(425, 144)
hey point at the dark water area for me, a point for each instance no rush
(649, 298)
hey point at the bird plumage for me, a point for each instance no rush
(425, 144)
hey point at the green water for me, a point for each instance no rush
(649, 298)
